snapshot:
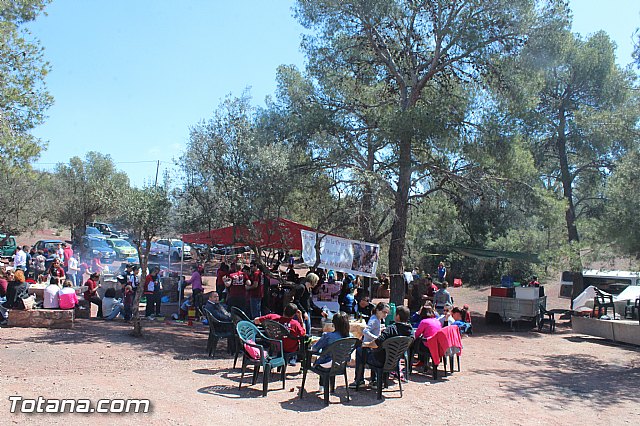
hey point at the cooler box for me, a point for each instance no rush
(528, 293)
(457, 282)
(499, 292)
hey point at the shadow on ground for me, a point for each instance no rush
(174, 339)
(575, 378)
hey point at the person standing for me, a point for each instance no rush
(442, 297)
(20, 260)
(67, 254)
(255, 291)
(39, 264)
(56, 273)
(152, 293)
(442, 272)
(28, 271)
(196, 286)
(73, 269)
(235, 283)
(91, 295)
(302, 299)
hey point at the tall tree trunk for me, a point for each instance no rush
(399, 227)
(567, 192)
(366, 211)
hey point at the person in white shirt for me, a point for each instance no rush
(51, 297)
(111, 307)
(73, 270)
(20, 259)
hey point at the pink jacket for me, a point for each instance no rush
(448, 337)
(68, 300)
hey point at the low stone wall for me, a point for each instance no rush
(41, 318)
(616, 330)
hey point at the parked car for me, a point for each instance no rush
(93, 232)
(173, 247)
(155, 250)
(50, 245)
(92, 246)
(108, 229)
(122, 248)
(9, 246)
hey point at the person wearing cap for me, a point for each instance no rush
(91, 295)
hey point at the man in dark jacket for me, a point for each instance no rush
(400, 328)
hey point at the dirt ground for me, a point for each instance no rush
(507, 377)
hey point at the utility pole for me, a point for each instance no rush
(157, 169)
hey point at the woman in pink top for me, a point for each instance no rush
(68, 298)
(429, 326)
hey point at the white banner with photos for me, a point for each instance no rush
(341, 254)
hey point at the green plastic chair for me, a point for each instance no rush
(269, 357)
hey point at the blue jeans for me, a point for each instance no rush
(307, 323)
(117, 310)
(255, 305)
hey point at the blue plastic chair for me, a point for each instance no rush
(271, 356)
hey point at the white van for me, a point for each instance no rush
(613, 282)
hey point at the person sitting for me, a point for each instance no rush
(459, 319)
(446, 319)
(427, 328)
(67, 296)
(16, 289)
(442, 297)
(111, 307)
(341, 330)
(431, 288)
(420, 315)
(401, 327)
(91, 295)
(292, 319)
(371, 332)
(418, 294)
(51, 296)
(364, 307)
(346, 299)
(534, 282)
(218, 309)
(3, 284)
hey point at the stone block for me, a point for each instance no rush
(41, 318)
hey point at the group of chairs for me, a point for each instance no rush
(262, 348)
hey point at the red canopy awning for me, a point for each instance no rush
(279, 233)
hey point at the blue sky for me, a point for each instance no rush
(130, 77)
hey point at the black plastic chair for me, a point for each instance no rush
(340, 354)
(550, 316)
(243, 316)
(277, 331)
(395, 349)
(218, 330)
(270, 352)
(603, 301)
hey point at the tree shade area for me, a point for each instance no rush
(479, 130)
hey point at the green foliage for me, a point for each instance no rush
(621, 220)
(86, 189)
(23, 102)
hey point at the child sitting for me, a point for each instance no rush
(460, 317)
